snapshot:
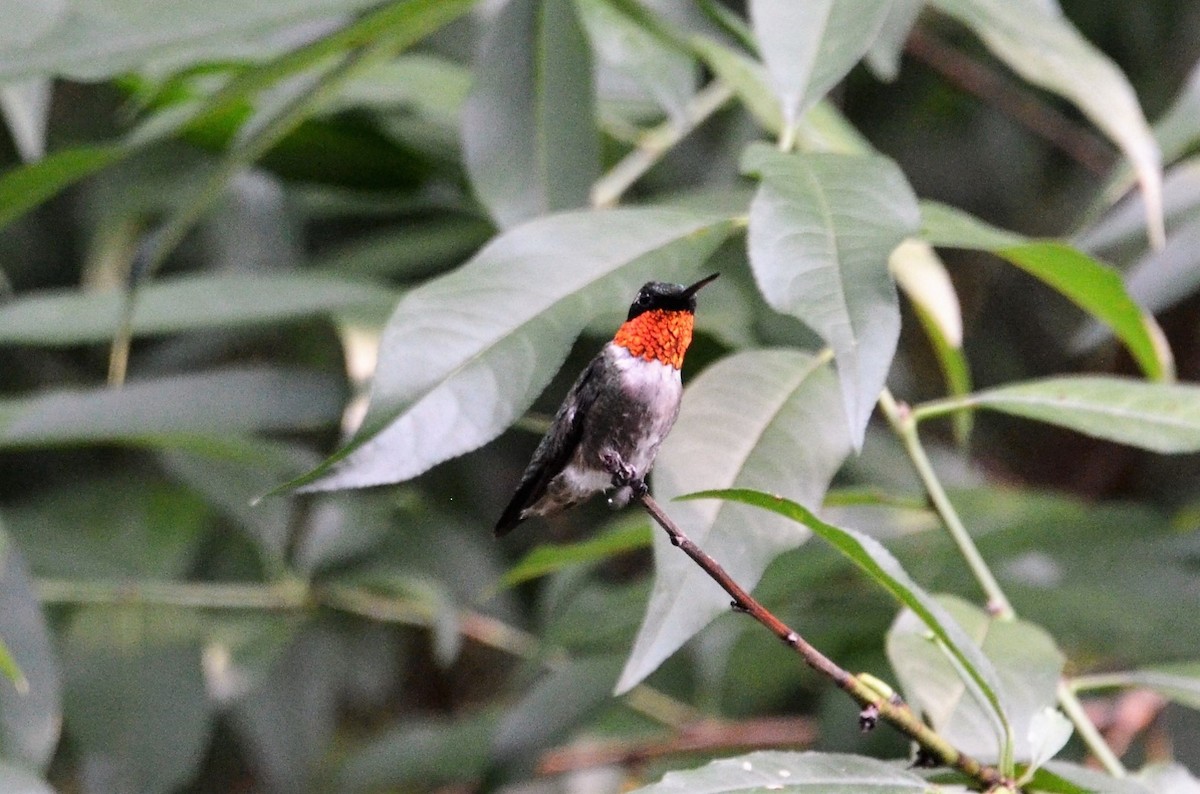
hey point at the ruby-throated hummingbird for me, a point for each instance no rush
(609, 428)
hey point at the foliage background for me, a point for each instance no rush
(174, 638)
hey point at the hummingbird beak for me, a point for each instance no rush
(692, 290)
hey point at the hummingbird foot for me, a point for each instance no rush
(624, 478)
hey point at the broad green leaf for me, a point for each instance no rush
(464, 355)
(628, 38)
(809, 47)
(135, 704)
(797, 773)
(1045, 49)
(177, 410)
(529, 134)
(95, 39)
(1180, 683)
(545, 559)
(877, 562)
(71, 317)
(30, 707)
(17, 780)
(768, 419)
(821, 229)
(1023, 655)
(556, 705)
(1156, 416)
(1093, 286)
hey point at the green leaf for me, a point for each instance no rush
(1093, 286)
(25, 187)
(1159, 417)
(809, 47)
(546, 559)
(1084, 780)
(30, 707)
(184, 303)
(176, 410)
(821, 229)
(420, 752)
(1162, 278)
(799, 773)
(768, 419)
(884, 55)
(556, 705)
(529, 134)
(628, 38)
(135, 701)
(95, 40)
(464, 355)
(1023, 655)
(746, 76)
(874, 560)
(1044, 48)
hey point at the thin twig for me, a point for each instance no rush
(1024, 107)
(705, 736)
(875, 703)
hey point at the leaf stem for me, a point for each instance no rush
(875, 704)
(655, 143)
(904, 422)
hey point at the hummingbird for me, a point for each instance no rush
(608, 430)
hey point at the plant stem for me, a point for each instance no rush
(905, 425)
(891, 710)
(655, 143)
(904, 422)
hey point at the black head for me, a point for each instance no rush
(669, 297)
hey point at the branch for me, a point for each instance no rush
(876, 705)
(1023, 106)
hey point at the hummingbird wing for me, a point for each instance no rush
(555, 448)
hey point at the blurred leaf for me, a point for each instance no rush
(26, 106)
(585, 615)
(884, 55)
(11, 670)
(1024, 658)
(556, 705)
(25, 187)
(1165, 277)
(878, 563)
(627, 37)
(183, 303)
(112, 527)
(746, 76)
(799, 773)
(30, 707)
(821, 229)
(1123, 228)
(287, 720)
(1178, 682)
(1084, 780)
(767, 419)
(465, 354)
(1178, 129)
(1045, 49)
(1168, 778)
(1089, 284)
(135, 700)
(181, 410)
(97, 39)
(809, 47)
(417, 249)
(529, 133)
(15, 780)
(544, 559)
(1049, 731)
(1156, 416)
(421, 752)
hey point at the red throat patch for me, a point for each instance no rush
(658, 335)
